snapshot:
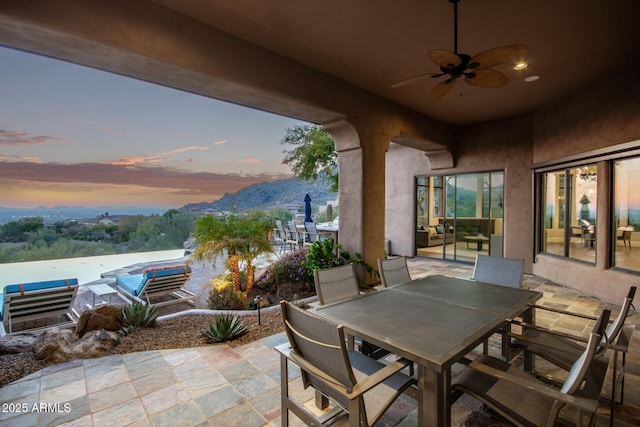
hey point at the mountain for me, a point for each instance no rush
(285, 192)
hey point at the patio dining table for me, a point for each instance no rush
(433, 321)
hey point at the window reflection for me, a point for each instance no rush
(626, 214)
(569, 212)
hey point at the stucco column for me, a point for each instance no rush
(361, 160)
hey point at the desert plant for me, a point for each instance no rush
(136, 315)
(237, 236)
(225, 328)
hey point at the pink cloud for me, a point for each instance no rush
(124, 174)
(10, 137)
(13, 157)
(250, 160)
(155, 157)
(220, 142)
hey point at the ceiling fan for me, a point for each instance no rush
(475, 69)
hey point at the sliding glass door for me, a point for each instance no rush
(459, 216)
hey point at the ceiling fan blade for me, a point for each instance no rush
(441, 89)
(444, 58)
(486, 78)
(498, 55)
(415, 79)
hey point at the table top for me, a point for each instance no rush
(433, 321)
(102, 289)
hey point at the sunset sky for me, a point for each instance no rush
(71, 135)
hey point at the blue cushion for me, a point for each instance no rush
(34, 286)
(132, 284)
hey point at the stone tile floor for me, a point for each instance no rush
(218, 385)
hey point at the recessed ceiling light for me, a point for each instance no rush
(531, 78)
(520, 66)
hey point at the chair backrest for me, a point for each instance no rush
(615, 327)
(37, 300)
(321, 343)
(312, 232)
(499, 271)
(292, 231)
(581, 366)
(279, 228)
(336, 284)
(394, 271)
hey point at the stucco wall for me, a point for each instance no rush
(601, 116)
(503, 145)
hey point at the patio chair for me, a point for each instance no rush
(39, 301)
(336, 284)
(563, 349)
(312, 235)
(157, 283)
(394, 271)
(626, 238)
(498, 271)
(279, 235)
(293, 234)
(525, 400)
(356, 384)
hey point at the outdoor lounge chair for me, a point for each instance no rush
(356, 384)
(525, 400)
(155, 283)
(39, 300)
(394, 271)
(563, 349)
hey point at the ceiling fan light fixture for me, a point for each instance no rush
(530, 79)
(520, 66)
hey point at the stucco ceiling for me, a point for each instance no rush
(373, 44)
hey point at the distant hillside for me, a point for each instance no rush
(270, 194)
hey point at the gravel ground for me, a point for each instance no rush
(178, 332)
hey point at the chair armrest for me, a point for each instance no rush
(379, 376)
(545, 330)
(535, 386)
(565, 312)
(624, 339)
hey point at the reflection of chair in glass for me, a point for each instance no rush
(625, 237)
(394, 271)
(563, 350)
(352, 382)
(525, 400)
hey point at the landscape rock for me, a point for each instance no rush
(61, 345)
(106, 318)
(20, 342)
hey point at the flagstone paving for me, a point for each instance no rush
(224, 386)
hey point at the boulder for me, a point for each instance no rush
(61, 345)
(19, 342)
(106, 318)
(54, 345)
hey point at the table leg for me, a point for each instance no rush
(529, 316)
(433, 397)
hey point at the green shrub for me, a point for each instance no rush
(326, 254)
(225, 328)
(136, 315)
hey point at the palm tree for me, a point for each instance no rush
(240, 237)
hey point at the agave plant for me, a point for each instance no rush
(136, 315)
(225, 328)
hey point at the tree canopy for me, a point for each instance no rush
(313, 156)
